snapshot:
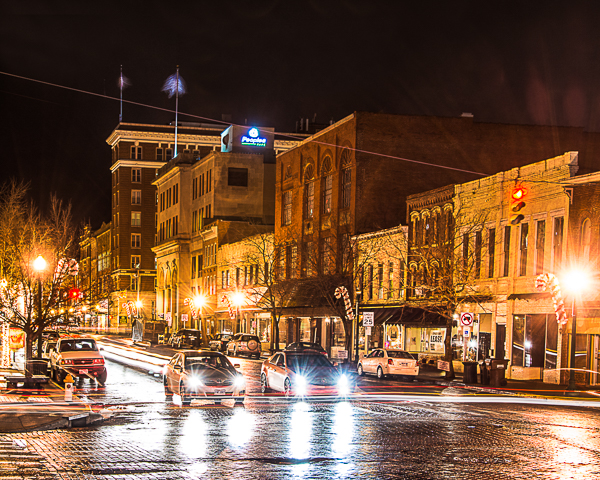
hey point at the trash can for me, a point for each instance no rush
(497, 372)
(470, 372)
(484, 368)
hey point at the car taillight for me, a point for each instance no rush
(99, 361)
(243, 344)
(390, 361)
(66, 362)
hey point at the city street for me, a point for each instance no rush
(148, 438)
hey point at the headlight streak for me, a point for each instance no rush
(239, 382)
(240, 428)
(299, 385)
(343, 429)
(195, 382)
(193, 439)
(343, 385)
(300, 431)
(150, 363)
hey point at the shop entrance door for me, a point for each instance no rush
(595, 344)
(500, 340)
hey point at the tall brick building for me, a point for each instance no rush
(354, 176)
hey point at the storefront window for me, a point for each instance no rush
(339, 338)
(305, 330)
(393, 337)
(528, 340)
(551, 341)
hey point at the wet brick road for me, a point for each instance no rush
(150, 439)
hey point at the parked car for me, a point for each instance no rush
(302, 374)
(246, 344)
(79, 357)
(203, 374)
(305, 347)
(48, 347)
(220, 341)
(187, 338)
(383, 362)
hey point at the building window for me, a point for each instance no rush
(237, 177)
(586, 240)
(136, 175)
(136, 219)
(346, 187)
(491, 251)
(380, 281)
(286, 218)
(307, 259)
(370, 283)
(327, 188)
(193, 267)
(175, 194)
(391, 280)
(309, 200)
(136, 240)
(465, 255)
(523, 250)
(159, 154)
(136, 197)
(325, 256)
(505, 269)
(529, 341)
(540, 240)
(168, 154)
(136, 153)
(135, 261)
(478, 244)
(557, 242)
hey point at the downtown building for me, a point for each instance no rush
(354, 177)
(139, 151)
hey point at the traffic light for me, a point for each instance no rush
(74, 293)
(517, 195)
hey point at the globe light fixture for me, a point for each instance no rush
(39, 264)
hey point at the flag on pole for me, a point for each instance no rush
(174, 85)
(123, 83)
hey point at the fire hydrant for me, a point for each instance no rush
(69, 381)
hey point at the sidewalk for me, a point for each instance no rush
(40, 408)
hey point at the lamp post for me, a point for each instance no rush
(199, 302)
(575, 282)
(357, 295)
(39, 265)
(238, 300)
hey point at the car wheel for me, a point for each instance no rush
(102, 378)
(264, 387)
(185, 399)
(360, 370)
(287, 387)
(168, 392)
(380, 374)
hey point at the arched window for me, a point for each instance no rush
(586, 237)
(327, 185)
(346, 178)
(309, 191)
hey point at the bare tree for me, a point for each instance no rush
(31, 298)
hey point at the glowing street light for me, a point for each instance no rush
(39, 264)
(575, 282)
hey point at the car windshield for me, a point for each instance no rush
(297, 363)
(399, 354)
(247, 338)
(77, 345)
(208, 361)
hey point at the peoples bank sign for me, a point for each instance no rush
(254, 139)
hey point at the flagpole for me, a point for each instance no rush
(176, 106)
(121, 88)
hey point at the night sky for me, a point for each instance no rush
(271, 63)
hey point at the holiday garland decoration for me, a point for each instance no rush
(225, 299)
(548, 281)
(190, 302)
(341, 292)
(66, 267)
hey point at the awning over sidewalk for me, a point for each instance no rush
(406, 316)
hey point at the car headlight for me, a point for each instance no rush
(194, 382)
(343, 385)
(239, 381)
(300, 384)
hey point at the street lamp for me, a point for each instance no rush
(39, 265)
(238, 299)
(574, 282)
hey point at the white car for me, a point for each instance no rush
(383, 362)
(79, 357)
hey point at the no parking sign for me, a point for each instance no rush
(466, 319)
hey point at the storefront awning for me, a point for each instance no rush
(406, 316)
(529, 296)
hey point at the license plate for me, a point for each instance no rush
(219, 392)
(83, 371)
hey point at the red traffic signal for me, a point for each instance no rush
(517, 195)
(74, 293)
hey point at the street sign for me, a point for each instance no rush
(442, 365)
(367, 330)
(466, 319)
(467, 332)
(184, 317)
(368, 319)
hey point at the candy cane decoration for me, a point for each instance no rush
(548, 281)
(190, 303)
(127, 308)
(133, 308)
(225, 299)
(342, 292)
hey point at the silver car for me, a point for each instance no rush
(203, 375)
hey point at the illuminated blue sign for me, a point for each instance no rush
(253, 139)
